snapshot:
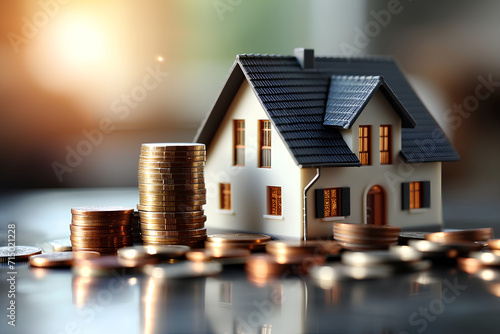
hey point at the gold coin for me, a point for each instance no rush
(171, 170)
(178, 209)
(172, 198)
(238, 238)
(175, 204)
(170, 176)
(172, 227)
(170, 215)
(102, 211)
(172, 221)
(148, 153)
(178, 233)
(171, 164)
(160, 181)
(173, 146)
(163, 187)
(312, 247)
(165, 158)
(179, 193)
(17, 253)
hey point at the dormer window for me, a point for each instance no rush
(365, 144)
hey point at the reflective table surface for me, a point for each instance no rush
(50, 301)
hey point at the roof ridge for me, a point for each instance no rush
(357, 77)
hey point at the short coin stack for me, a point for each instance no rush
(364, 236)
(101, 229)
(251, 241)
(172, 194)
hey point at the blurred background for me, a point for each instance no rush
(84, 83)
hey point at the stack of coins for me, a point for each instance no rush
(172, 194)
(480, 234)
(101, 229)
(251, 241)
(364, 236)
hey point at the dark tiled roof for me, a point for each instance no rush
(296, 100)
(348, 96)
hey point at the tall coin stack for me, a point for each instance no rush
(101, 229)
(172, 194)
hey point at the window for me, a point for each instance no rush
(265, 144)
(225, 196)
(365, 144)
(385, 145)
(274, 201)
(416, 195)
(239, 142)
(331, 202)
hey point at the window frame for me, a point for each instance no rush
(225, 196)
(239, 142)
(265, 143)
(365, 144)
(279, 201)
(327, 205)
(385, 144)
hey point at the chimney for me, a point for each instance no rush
(305, 57)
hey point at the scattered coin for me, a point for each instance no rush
(61, 259)
(60, 245)
(224, 256)
(187, 269)
(18, 253)
(365, 236)
(323, 247)
(472, 235)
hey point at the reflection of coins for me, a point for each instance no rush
(312, 247)
(183, 270)
(161, 252)
(18, 253)
(265, 266)
(62, 259)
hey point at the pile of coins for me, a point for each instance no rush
(172, 194)
(101, 229)
(365, 237)
(251, 241)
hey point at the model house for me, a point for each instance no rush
(296, 143)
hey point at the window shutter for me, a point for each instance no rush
(345, 198)
(320, 203)
(426, 194)
(405, 196)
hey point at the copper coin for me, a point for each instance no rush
(101, 250)
(227, 245)
(362, 247)
(365, 240)
(213, 254)
(193, 238)
(172, 146)
(103, 223)
(171, 215)
(99, 229)
(251, 238)
(177, 209)
(366, 231)
(162, 252)
(62, 259)
(192, 244)
(469, 265)
(178, 233)
(147, 157)
(172, 170)
(265, 265)
(481, 234)
(173, 227)
(17, 253)
(292, 247)
(104, 210)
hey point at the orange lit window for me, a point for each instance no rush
(332, 201)
(365, 144)
(225, 196)
(265, 144)
(274, 201)
(239, 142)
(415, 195)
(385, 145)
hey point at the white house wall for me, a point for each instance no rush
(249, 183)
(389, 177)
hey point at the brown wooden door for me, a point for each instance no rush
(375, 206)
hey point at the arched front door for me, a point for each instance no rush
(375, 206)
